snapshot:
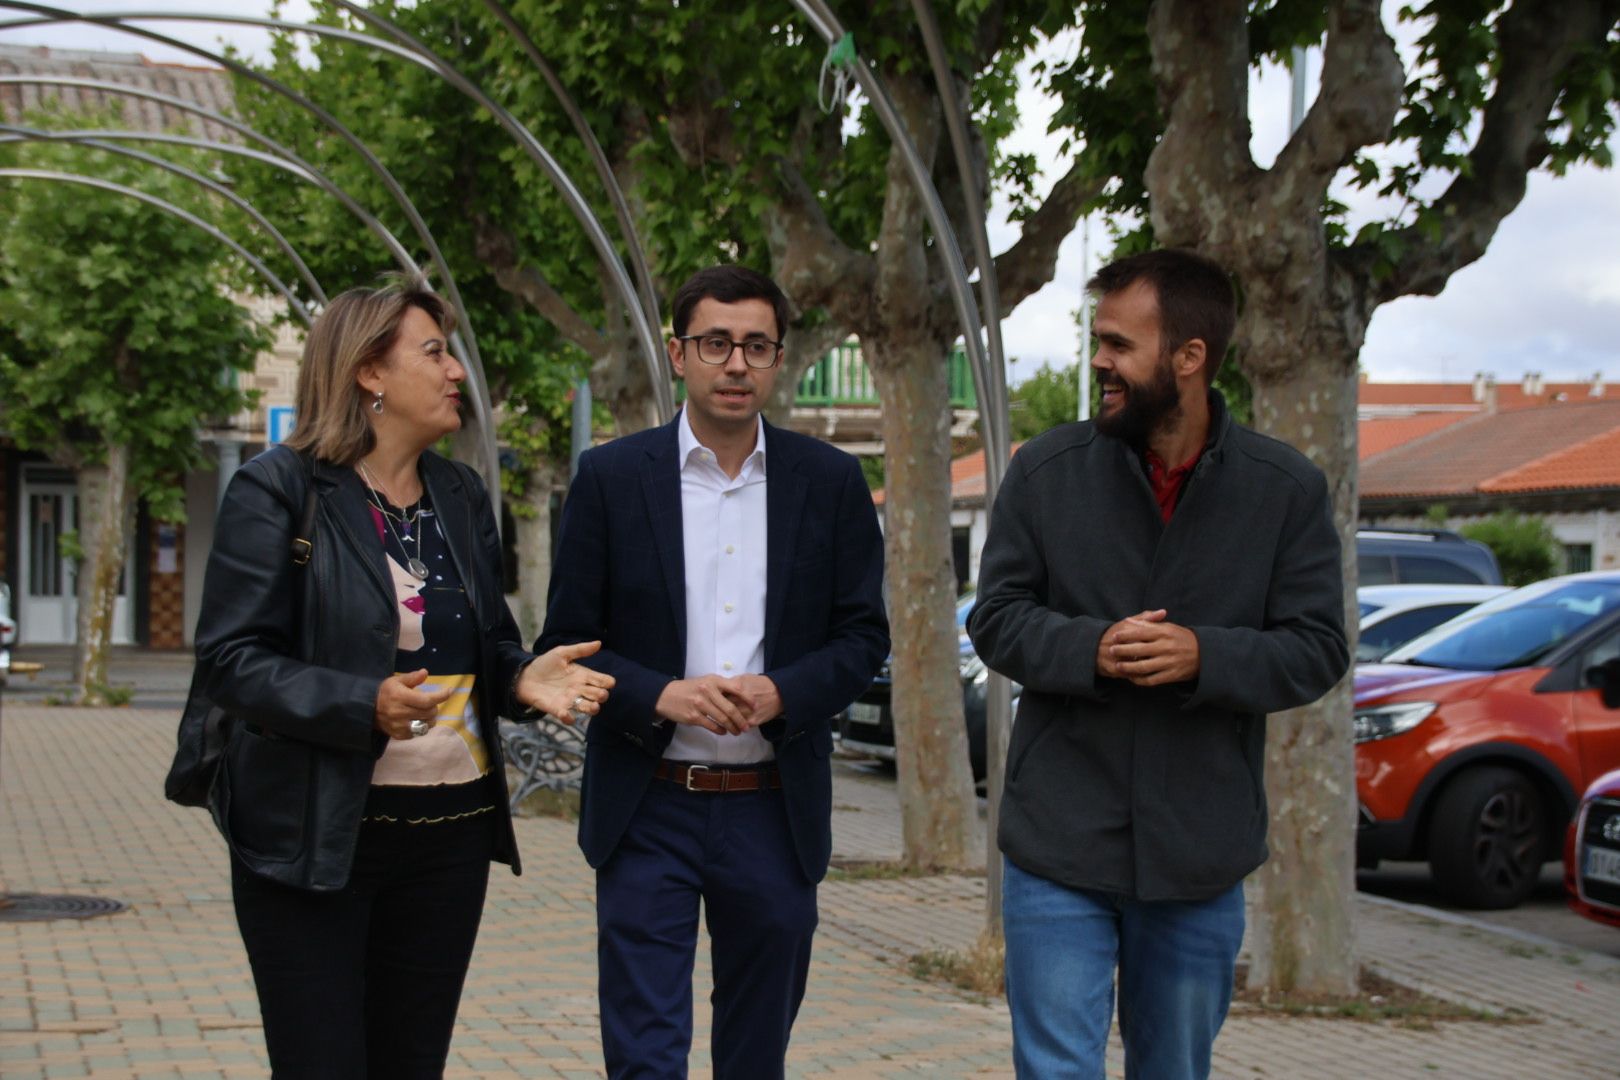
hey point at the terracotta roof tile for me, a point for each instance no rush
(1460, 458)
(1385, 433)
(1509, 395)
(1594, 463)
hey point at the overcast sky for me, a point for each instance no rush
(1545, 297)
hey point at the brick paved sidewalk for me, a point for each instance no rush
(162, 990)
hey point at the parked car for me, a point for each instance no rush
(1592, 845)
(1429, 556)
(1392, 615)
(1473, 740)
(867, 726)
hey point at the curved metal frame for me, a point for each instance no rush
(483, 407)
(409, 48)
(10, 133)
(993, 406)
(989, 373)
(652, 352)
(282, 158)
(604, 169)
(967, 310)
(184, 215)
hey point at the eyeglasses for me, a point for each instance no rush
(716, 349)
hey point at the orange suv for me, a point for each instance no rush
(1474, 741)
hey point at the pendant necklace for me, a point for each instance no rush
(416, 566)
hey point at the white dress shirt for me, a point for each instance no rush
(723, 532)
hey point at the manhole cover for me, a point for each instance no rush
(34, 907)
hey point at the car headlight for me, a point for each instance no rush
(1382, 721)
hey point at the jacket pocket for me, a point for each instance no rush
(269, 783)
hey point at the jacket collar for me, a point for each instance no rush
(343, 493)
(343, 498)
(453, 510)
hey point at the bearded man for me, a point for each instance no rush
(1158, 580)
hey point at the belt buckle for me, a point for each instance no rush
(691, 771)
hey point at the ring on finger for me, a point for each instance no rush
(420, 728)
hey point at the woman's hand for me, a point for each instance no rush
(554, 684)
(399, 703)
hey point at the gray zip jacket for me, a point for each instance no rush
(1154, 793)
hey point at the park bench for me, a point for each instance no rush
(546, 754)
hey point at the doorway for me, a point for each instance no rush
(48, 605)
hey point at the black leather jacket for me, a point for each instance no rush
(298, 653)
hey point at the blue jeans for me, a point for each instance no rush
(1175, 963)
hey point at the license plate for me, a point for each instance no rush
(1603, 865)
(863, 713)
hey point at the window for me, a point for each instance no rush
(1577, 558)
(1375, 570)
(1378, 639)
(1438, 571)
(1516, 629)
(1599, 654)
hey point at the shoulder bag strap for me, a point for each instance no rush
(303, 544)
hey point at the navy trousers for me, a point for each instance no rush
(732, 851)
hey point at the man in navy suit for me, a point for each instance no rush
(733, 574)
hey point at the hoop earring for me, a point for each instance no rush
(376, 403)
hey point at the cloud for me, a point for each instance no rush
(252, 41)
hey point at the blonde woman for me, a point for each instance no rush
(362, 793)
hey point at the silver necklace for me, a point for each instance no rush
(416, 566)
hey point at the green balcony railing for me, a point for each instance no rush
(842, 378)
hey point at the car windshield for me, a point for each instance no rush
(1367, 609)
(1514, 630)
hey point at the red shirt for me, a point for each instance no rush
(1167, 483)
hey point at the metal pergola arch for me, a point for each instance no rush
(10, 133)
(989, 371)
(167, 207)
(482, 404)
(604, 170)
(281, 158)
(406, 47)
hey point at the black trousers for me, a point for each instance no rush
(365, 982)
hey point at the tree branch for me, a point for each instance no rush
(1539, 39)
(903, 284)
(1362, 82)
(1030, 262)
(497, 249)
(1201, 169)
(812, 264)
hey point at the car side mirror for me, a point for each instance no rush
(1605, 677)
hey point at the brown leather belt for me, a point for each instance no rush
(715, 778)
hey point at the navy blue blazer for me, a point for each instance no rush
(620, 576)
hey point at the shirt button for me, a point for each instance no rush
(725, 494)
(730, 550)
(728, 607)
(726, 665)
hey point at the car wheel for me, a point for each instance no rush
(1488, 838)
